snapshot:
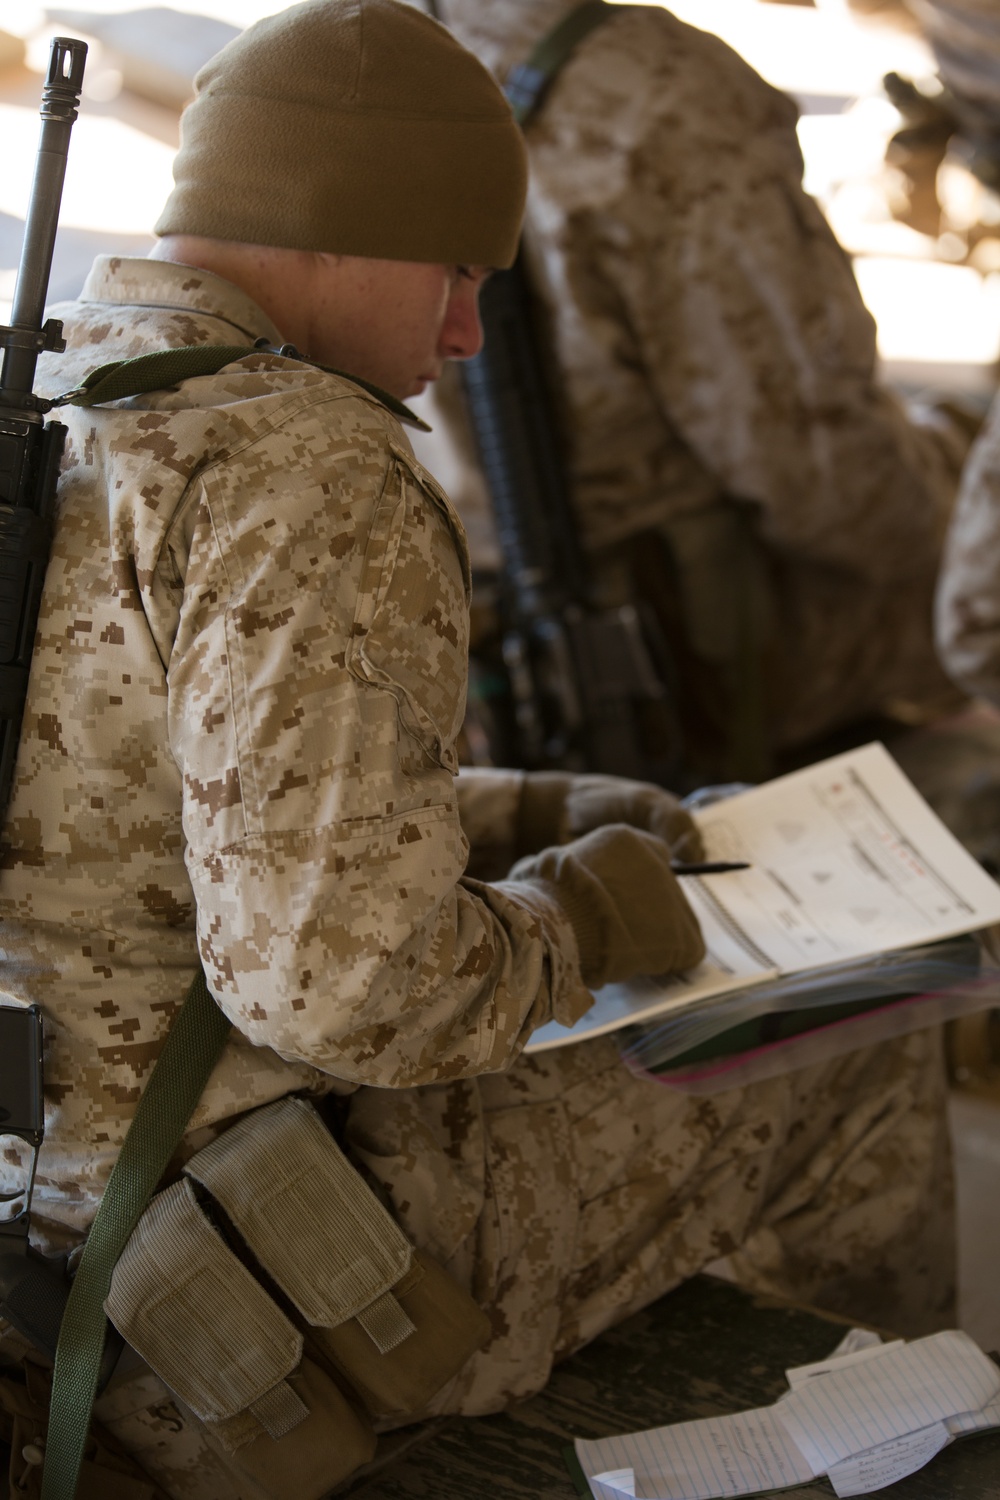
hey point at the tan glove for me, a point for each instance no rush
(556, 807)
(626, 907)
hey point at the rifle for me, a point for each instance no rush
(588, 683)
(30, 448)
(588, 691)
(32, 1293)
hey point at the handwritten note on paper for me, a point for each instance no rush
(736, 1455)
(867, 1416)
(880, 1466)
(888, 1395)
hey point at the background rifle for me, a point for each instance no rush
(32, 1294)
(587, 690)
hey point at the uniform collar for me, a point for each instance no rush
(163, 283)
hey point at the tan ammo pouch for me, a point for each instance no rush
(368, 1309)
(388, 1317)
(212, 1333)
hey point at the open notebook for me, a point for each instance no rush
(847, 862)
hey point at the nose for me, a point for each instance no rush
(462, 333)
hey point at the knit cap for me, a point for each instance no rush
(358, 127)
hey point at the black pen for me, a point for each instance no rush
(713, 867)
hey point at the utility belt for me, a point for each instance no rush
(285, 1312)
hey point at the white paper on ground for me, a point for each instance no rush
(620, 1481)
(716, 1456)
(975, 1421)
(892, 1393)
(839, 1361)
(752, 1451)
(853, 1340)
(883, 1465)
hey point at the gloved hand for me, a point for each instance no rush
(557, 807)
(626, 907)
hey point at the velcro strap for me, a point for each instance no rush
(279, 1410)
(196, 1315)
(310, 1219)
(386, 1323)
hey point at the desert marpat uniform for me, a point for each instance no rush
(251, 654)
(712, 346)
(968, 600)
(239, 740)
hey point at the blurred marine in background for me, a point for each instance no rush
(733, 460)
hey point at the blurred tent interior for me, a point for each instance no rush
(934, 290)
(904, 193)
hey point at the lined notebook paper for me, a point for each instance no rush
(866, 1417)
(887, 1396)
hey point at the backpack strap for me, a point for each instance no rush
(527, 84)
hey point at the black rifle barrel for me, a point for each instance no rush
(515, 429)
(30, 449)
(60, 102)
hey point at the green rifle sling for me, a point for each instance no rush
(164, 368)
(192, 1048)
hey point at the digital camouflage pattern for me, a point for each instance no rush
(965, 35)
(968, 599)
(714, 357)
(239, 743)
(249, 674)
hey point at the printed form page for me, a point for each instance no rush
(846, 861)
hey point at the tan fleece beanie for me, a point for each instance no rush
(359, 127)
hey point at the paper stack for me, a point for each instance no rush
(869, 1415)
(846, 863)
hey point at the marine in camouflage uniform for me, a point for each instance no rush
(965, 35)
(968, 601)
(731, 455)
(239, 747)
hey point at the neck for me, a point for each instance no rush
(272, 277)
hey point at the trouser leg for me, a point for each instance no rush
(831, 1185)
(590, 1193)
(859, 1215)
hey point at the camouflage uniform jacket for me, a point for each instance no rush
(968, 599)
(249, 671)
(712, 347)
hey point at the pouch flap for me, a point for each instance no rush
(196, 1315)
(308, 1216)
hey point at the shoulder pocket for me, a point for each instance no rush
(411, 627)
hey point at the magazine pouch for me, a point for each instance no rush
(386, 1316)
(199, 1318)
